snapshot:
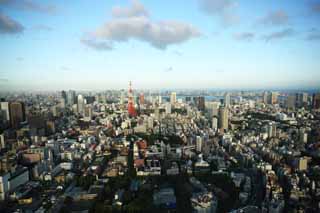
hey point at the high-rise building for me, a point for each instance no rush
(199, 142)
(316, 101)
(90, 99)
(214, 123)
(168, 108)
(81, 104)
(199, 102)
(64, 95)
(5, 108)
(62, 103)
(173, 98)
(303, 136)
(122, 97)
(71, 97)
(302, 164)
(2, 142)
(88, 112)
(226, 99)
(223, 118)
(160, 99)
(273, 98)
(272, 129)
(291, 102)
(17, 114)
(141, 99)
(265, 97)
(302, 99)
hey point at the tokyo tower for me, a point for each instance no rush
(131, 110)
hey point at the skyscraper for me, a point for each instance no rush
(122, 97)
(301, 99)
(17, 114)
(273, 98)
(5, 108)
(199, 142)
(265, 97)
(71, 97)
(173, 98)
(168, 108)
(272, 129)
(81, 104)
(226, 99)
(223, 118)
(141, 99)
(291, 102)
(199, 102)
(64, 95)
(214, 123)
(316, 101)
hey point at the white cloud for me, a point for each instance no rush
(136, 9)
(245, 36)
(133, 25)
(223, 9)
(97, 45)
(278, 17)
(289, 32)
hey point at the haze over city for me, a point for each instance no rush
(167, 106)
(50, 45)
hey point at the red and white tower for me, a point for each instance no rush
(131, 110)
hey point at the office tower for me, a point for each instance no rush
(272, 129)
(157, 113)
(303, 136)
(302, 164)
(223, 118)
(88, 112)
(168, 108)
(226, 99)
(131, 110)
(17, 113)
(273, 98)
(265, 97)
(5, 108)
(316, 101)
(64, 95)
(291, 102)
(173, 98)
(201, 103)
(150, 123)
(2, 142)
(81, 104)
(122, 97)
(214, 123)
(215, 108)
(71, 97)
(199, 142)
(62, 103)
(160, 99)
(141, 99)
(301, 99)
(90, 99)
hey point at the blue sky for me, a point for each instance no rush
(103, 44)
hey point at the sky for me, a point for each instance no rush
(104, 44)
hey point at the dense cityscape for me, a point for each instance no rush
(171, 106)
(141, 151)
